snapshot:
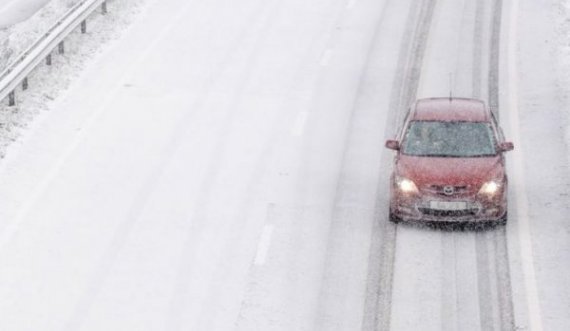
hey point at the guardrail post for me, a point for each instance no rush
(48, 60)
(104, 7)
(12, 99)
(25, 84)
(84, 27)
(61, 48)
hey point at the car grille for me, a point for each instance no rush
(440, 190)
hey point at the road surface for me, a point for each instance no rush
(222, 167)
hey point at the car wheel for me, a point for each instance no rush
(503, 220)
(393, 218)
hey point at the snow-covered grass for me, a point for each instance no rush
(16, 38)
(47, 82)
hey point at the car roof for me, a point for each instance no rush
(451, 109)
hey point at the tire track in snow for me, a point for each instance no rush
(481, 239)
(533, 307)
(384, 235)
(493, 83)
(346, 221)
(490, 274)
(499, 239)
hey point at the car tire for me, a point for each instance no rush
(393, 218)
(503, 220)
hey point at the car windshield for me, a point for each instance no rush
(449, 139)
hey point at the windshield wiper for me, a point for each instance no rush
(448, 155)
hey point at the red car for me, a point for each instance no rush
(449, 165)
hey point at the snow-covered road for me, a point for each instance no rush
(222, 167)
(453, 280)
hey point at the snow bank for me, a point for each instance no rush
(16, 38)
(47, 83)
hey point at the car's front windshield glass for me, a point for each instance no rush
(449, 139)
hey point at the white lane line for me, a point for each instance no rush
(326, 58)
(350, 4)
(263, 246)
(299, 126)
(522, 200)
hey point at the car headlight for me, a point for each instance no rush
(405, 185)
(490, 188)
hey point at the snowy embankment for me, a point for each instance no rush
(564, 57)
(16, 38)
(46, 83)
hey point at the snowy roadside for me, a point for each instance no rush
(563, 59)
(16, 38)
(47, 83)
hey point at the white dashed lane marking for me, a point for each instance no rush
(326, 58)
(263, 246)
(299, 125)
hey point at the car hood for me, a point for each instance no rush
(426, 171)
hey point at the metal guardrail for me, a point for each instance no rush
(18, 70)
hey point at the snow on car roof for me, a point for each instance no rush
(455, 109)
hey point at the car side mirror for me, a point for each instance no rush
(506, 146)
(393, 144)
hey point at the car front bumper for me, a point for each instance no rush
(471, 209)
